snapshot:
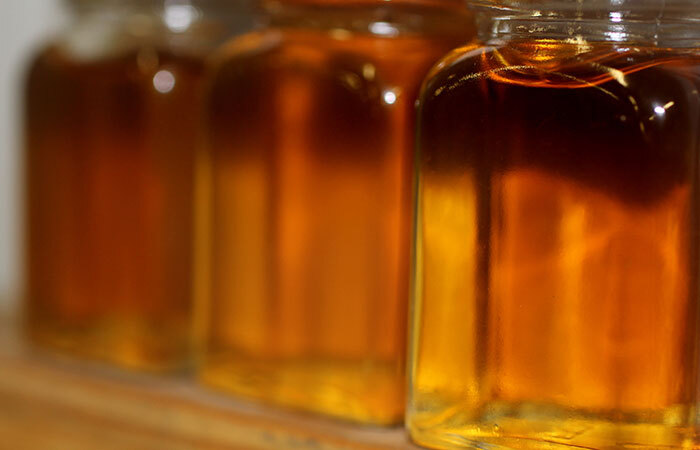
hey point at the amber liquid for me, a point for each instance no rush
(110, 153)
(557, 275)
(311, 155)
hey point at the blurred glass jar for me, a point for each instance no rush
(113, 108)
(557, 234)
(310, 133)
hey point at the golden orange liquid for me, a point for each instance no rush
(557, 276)
(311, 137)
(109, 205)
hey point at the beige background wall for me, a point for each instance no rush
(24, 25)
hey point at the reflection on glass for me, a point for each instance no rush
(164, 81)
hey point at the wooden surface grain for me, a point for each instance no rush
(50, 402)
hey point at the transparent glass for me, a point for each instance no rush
(310, 162)
(113, 107)
(556, 273)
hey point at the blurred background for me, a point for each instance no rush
(24, 26)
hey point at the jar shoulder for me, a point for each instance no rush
(630, 72)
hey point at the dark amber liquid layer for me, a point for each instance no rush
(110, 153)
(557, 275)
(312, 138)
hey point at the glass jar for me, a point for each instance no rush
(556, 278)
(112, 113)
(310, 134)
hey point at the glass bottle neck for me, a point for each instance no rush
(632, 22)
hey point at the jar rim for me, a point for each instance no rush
(688, 9)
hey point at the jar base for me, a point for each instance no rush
(529, 426)
(363, 393)
(125, 343)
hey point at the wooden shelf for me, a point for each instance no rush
(47, 402)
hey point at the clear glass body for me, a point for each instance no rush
(556, 277)
(113, 109)
(311, 138)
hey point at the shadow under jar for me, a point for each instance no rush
(310, 140)
(112, 114)
(556, 278)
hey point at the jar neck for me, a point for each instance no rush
(648, 23)
(174, 13)
(383, 19)
(104, 28)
